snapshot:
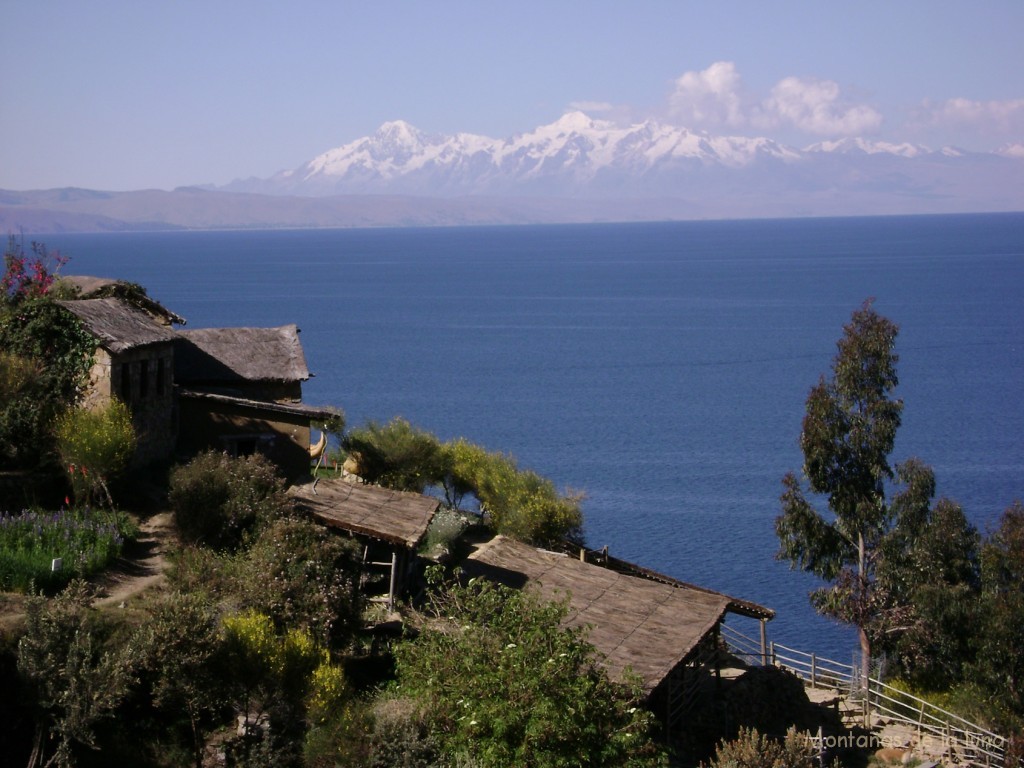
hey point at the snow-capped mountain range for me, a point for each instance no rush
(576, 169)
(579, 156)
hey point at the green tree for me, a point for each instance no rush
(999, 663)
(848, 433)
(95, 444)
(397, 455)
(518, 503)
(501, 682)
(926, 585)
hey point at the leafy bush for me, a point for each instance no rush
(401, 736)
(202, 571)
(16, 374)
(303, 576)
(274, 678)
(222, 501)
(396, 455)
(519, 503)
(501, 682)
(751, 749)
(95, 445)
(86, 540)
(79, 676)
(54, 345)
(182, 642)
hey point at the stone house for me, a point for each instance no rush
(240, 390)
(232, 389)
(134, 361)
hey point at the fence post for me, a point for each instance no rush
(764, 642)
(814, 670)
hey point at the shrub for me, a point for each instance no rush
(181, 644)
(86, 541)
(443, 531)
(79, 676)
(24, 277)
(519, 503)
(272, 679)
(222, 501)
(54, 344)
(303, 576)
(94, 446)
(501, 682)
(401, 736)
(397, 455)
(751, 749)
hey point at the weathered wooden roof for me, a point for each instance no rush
(240, 354)
(117, 326)
(647, 626)
(396, 517)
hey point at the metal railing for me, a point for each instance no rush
(943, 732)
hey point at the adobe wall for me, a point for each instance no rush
(242, 430)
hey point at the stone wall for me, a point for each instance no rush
(142, 378)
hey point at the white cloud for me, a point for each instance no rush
(988, 116)
(711, 97)
(715, 97)
(817, 106)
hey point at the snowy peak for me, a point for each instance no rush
(574, 149)
(579, 156)
(865, 147)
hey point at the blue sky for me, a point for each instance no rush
(132, 95)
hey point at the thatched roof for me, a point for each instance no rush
(224, 355)
(311, 412)
(395, 517)
(117, 326)
(88, 284)
(90, 287)
(637, 623)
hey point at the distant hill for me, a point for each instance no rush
(574, 170)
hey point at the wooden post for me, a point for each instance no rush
(814, 670)
(394, 576)
(764, 643)
(718, 657)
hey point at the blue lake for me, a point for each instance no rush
(660, 368)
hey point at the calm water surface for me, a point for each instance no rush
(660, 368)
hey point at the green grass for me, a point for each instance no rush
(87, 541)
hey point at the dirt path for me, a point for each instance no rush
(142, 564)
